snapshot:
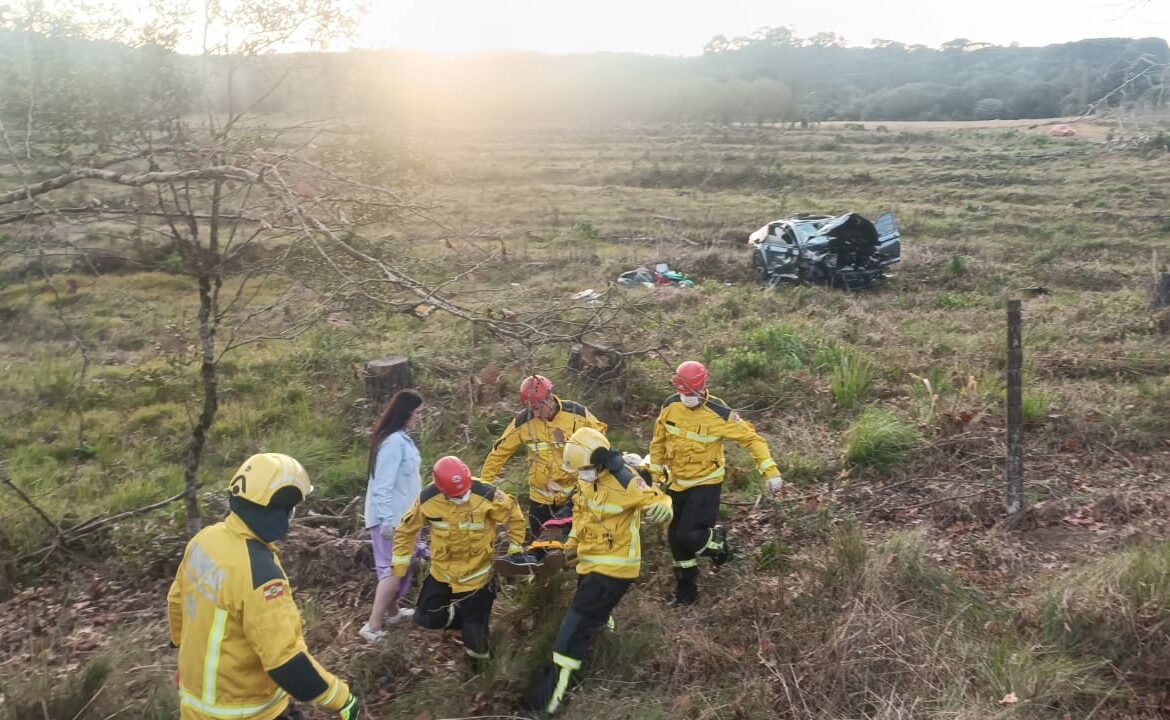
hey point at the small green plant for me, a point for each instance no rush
(878, 439)
(850, 380)
(1034, 406)
(957, 265)
(774, 555)
(828, 357)
(584, 229)
(951, 301)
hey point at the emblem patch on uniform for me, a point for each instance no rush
(558, 436)
(273, 590)
(735, 417)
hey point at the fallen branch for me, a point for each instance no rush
(93, 524)
(28, 501)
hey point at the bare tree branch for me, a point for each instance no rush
(7, 480)
(219, 172)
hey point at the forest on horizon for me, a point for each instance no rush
(773, 76)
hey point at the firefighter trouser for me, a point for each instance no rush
(469, 612)
(538, 515)
(695, 512)
(597, 596)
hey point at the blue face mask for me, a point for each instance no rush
(691, 401)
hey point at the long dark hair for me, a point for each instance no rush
(393, 419)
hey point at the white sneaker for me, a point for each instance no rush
(403, 615)
(374, 636)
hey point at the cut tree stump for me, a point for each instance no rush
(597, 362)
(384, 377)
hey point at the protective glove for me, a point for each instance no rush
(387, 531)
(775, 485)
(351, 710)
(659, 513)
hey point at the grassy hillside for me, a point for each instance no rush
(882, 584)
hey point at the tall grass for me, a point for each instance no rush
(1115, 608)
(878, 439)
(850, 380)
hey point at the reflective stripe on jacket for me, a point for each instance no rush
(688, 443)
(607, 522)
(462, 536)
(232, 614)
(544, 441)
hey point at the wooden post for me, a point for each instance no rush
(384, 377)
(1160, 291)
(1015, 417)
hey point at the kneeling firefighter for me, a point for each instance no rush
(462, 514)
(607, 511)
(231, 610)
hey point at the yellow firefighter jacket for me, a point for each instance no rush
(232, 616)
(607, 521)
(462, 536)
(688, 443)
(544, 440)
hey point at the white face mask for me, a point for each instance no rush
(461, 499)
(587, 475)
(691, 401)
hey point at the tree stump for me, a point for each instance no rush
(1160, 291)
(384, 377)
(597, 362)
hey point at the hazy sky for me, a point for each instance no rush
(682, 27)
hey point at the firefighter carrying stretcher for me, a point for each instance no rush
(686, 454)
(542, 429)
(608, 508)
(462, 514)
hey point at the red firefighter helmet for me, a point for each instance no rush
(452, 476)
(535, 389)
(690, 378)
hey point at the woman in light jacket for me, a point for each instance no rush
(394, 484)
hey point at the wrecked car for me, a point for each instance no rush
(846, 251)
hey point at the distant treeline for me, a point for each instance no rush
(772, 76)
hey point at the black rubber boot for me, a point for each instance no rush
(718, 548)
(686, 590)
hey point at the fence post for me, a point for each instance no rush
(1014, 469)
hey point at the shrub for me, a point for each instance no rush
(742, 364)
(784, 345)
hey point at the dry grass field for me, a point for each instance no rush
(883, 583)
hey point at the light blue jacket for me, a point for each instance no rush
(395, 482)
